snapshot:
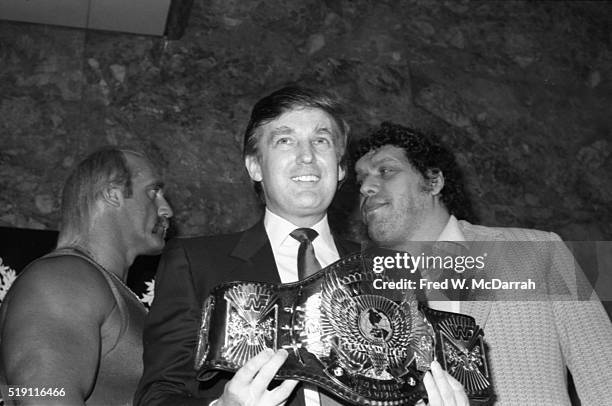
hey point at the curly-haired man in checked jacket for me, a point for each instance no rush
(411, 192)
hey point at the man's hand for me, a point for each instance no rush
(249, 386)
(443, 389)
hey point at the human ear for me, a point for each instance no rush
(113, 196)
(436, 182)
(341, 172)
(253, 167)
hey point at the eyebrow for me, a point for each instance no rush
(324, 129)
(375, 164)
(288, 130)
(281, 130)
(385, 160)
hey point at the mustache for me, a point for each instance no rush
(162, 224)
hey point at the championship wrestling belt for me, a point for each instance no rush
(366, 345)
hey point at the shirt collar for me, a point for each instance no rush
(278, 230)
(451, 231)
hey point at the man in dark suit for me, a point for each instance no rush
(294, 151)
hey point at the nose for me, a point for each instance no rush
(369, 186)
(164, 209)
(305, 153)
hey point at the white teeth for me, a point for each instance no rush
(305, 178)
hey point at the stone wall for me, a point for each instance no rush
(520, 89)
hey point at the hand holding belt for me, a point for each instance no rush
(368, 346)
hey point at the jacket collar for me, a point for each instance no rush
(480, 233)
(255, 254)
(345, 247)
(251, 242)
(478, 237)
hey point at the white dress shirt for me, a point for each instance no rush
(451, 232)
(285, 250)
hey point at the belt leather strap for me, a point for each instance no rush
(366, 345)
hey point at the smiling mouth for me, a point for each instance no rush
(306, 178)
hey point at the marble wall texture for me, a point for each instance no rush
(522, 90)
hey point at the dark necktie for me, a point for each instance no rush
(307, 263)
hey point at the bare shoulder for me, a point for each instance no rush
(64, 284)
(51, 325)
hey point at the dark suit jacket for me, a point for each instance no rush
(189, 269)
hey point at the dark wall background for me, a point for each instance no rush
(521, 89)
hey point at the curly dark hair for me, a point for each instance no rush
(429, 157)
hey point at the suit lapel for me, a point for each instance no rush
(479, 239)
(255, 254)
(256, 260)
(345, 247)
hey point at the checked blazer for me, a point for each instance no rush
(531, 342)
